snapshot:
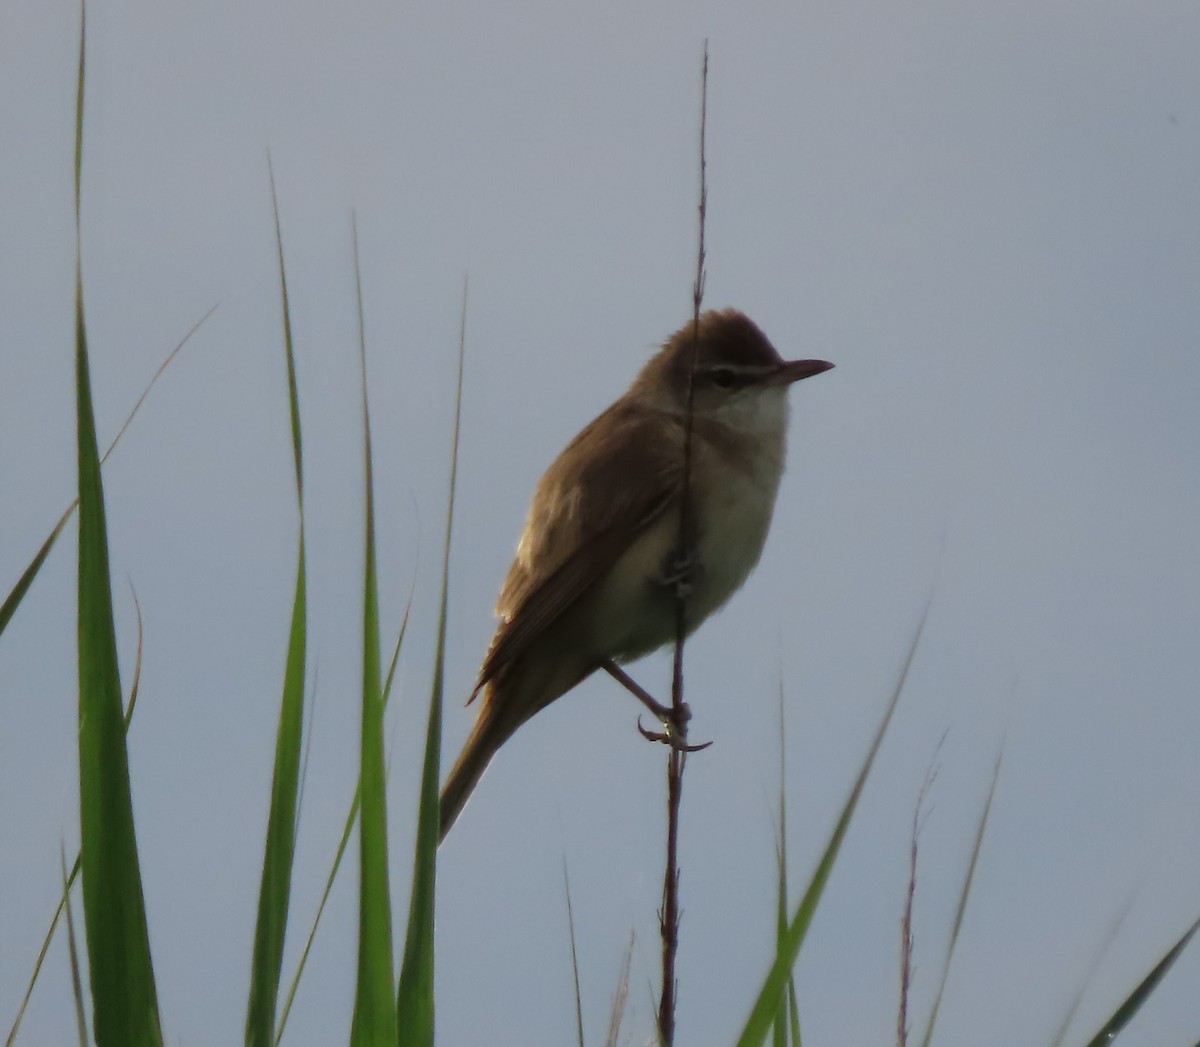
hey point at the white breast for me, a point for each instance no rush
(736, 499)
(733, 529)
(733, 496)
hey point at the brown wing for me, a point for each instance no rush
(617, 476)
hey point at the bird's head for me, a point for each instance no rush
(738, 375)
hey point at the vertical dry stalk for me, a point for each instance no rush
(906, 919)
(906, 937)
(668, 917)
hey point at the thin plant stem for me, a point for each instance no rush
(668, 919)
(906, 920)
(574, 956)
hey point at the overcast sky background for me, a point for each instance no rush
(986, 214)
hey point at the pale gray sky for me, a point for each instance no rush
(985, 213)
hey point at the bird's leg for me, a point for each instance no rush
(674, 731)
(662, 713)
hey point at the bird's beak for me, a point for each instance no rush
(793, 370)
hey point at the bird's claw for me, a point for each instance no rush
(672, 735)
(674, 718)
(680, 571)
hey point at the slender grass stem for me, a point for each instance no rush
(668, 919)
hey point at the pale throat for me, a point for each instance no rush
(735, 494)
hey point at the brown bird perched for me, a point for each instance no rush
(597, 568)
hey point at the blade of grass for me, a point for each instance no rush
(906, 934)
(310, 719)
(963, 897)
(414, 995)
(574, 956)
(1141, 993)
(351, 819)
(787, 1020)
(11, 1038)
(13, 601)
(792, 999)
(374, 1023)
(124, 999)
(279, 852)
(621, 996)
(762, 1014)
(793, 1013)
(74, 874)
(910, 892)
(73, 954)
(14, 598)
(335, 865)
(136, 685)
(1060, 1036)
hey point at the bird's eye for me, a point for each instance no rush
(724, 378)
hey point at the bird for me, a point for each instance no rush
(596, 576)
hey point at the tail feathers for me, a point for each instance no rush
(488, 734)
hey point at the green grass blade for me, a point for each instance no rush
(275, 887)
(391, 673)
(14, 598)
(73, 954)
(758, 1024)
(793, 1003)
(374, 1023)
(351, 819)
(279, 853)
(414, 996)
(783, 1029)
(11, 1038)
(1060, 1035)
(793, 1013)
(70, 879)
(343, 843)
(135, 685)
(779, 1028)
(124, 1000)
(963, 896)
(1133, 1003)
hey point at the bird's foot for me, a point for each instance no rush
(680, 571)
(674, 721)
(672, 735)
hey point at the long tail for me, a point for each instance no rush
(489, 733)
(503, 706)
